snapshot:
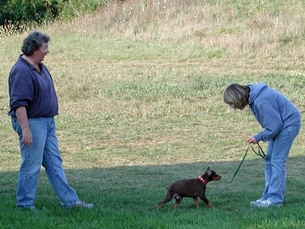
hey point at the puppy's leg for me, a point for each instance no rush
(196, 203)
(160, 205)
(168, 198)
(178, 201)
(206, 201)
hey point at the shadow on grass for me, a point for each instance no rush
(133, 192)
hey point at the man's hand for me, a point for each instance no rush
(24, 123)
(27, 137)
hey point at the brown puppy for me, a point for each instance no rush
(190, 188)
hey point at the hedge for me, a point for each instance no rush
(19, 12)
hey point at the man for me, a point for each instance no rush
(33, 105)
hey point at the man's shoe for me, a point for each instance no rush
(26, 207)
(82, 204)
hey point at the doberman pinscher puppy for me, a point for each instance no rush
(190, 188)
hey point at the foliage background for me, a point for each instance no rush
(19, 13)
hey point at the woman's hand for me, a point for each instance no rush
(252, 140)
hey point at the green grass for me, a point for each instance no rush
(127, 196)
(139, 111)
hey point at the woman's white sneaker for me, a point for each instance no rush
(268, 203)
(255, 202)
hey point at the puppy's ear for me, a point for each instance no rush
(209, 171)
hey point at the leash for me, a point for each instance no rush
(260, 152)
(240, 163)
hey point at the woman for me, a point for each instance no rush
(33, 105)
(281, 122)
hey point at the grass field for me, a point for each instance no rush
(140, 89)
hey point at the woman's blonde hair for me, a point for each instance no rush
(236, 95)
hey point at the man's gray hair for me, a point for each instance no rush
(33, 42)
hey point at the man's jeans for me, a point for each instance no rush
(275, 171)
(43, 151)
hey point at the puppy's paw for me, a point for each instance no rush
(210, 205)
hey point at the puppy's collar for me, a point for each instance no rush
(201, 179)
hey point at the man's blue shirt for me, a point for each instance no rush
(31, 89)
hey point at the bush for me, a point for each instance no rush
(75, 8)
(24, 11)
(18, 12)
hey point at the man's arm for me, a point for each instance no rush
(25, 127)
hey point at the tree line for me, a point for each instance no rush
(21, 12)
